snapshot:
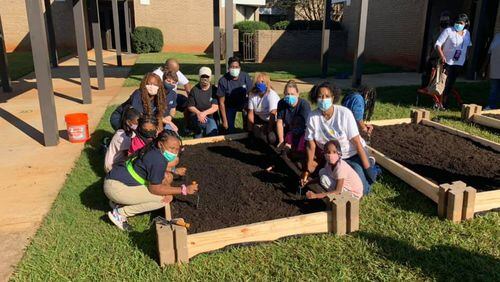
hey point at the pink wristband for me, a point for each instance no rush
(184, 190)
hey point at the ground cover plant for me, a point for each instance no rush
(401, 237)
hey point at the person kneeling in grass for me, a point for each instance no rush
(202, 105)
(138, 185)
(337, 175)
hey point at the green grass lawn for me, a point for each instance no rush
(190, 64)
(21, 63)
(400, 236)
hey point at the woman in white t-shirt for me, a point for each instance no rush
(262, 108)
(452, 47)
(329, 122)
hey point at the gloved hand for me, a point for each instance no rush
(371, 174)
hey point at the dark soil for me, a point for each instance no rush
(438, 155)
(235, 187)
(495, 116)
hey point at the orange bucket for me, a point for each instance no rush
(78, 127)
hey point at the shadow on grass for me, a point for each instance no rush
(441, 262)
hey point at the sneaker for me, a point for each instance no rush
(371, 160)
(119, 220)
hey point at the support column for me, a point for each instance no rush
(127, 25)
(325, 38)
(4, 65)
(96, 36)
(38, 38)
(360, 49)
(116, 25)
(81, 44)
(216, 43)
(229, 30)
(51, 35)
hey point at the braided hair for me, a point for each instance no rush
(159, 100)
(162, 137)
(369, 95)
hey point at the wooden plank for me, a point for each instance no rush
(384, 122)
(168, 211)
(487, 200)
(497, 111)
(165, 240)
(485, 142)
(486, 121)
(413, 179)
(218, 138)
(455, 204)
(319, 222)
(469, 201)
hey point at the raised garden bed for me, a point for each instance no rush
(241, 202)
(452, 168)
(474, 114)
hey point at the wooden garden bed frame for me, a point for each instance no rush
(456, 201)
(176, 246)
(474, 114)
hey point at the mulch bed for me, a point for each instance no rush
(495, 116)
(235, 188)
(438, 155)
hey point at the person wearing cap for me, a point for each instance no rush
(452, 47)
(202, 105)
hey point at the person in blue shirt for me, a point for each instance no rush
(232, 91)
(362, 103)
(141, 184)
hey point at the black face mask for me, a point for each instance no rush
(169, 87)
(147, 134)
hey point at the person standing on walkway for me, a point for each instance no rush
(140, 184)
(202, 105)
(494, 52)
(232, 91)
(452, 47)
(262, 109)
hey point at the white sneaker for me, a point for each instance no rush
(371, 160)
(119, 220)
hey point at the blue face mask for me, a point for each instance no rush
(459, 27)
(291, 100)
(169, 156)
(261, 86)
(324, 104)
(169, 87)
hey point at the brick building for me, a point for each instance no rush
(400, 32)
(187, 25)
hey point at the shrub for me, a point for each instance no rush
(251, 26)
(281, 25)
(147, 40)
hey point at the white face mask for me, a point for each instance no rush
(234, 72)
(152, 89)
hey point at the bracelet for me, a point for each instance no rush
(184, 190)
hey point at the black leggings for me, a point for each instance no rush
(452, 72)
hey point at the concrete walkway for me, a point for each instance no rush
(31, 175)
(374, 80)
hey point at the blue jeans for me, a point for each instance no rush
(355, 163)
(208, 128)
(494, 98)
(231, 117)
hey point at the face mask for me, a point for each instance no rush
(147, 133)
(133, 126)
(169, 156)
(169, 87)
(459, 27)
(234, 72)
(332, 158)
(261, 86)
(291, 100)
(324, 104)
(152, 89)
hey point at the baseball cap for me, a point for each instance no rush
(205, 71)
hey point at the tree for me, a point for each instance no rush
(312, 10)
